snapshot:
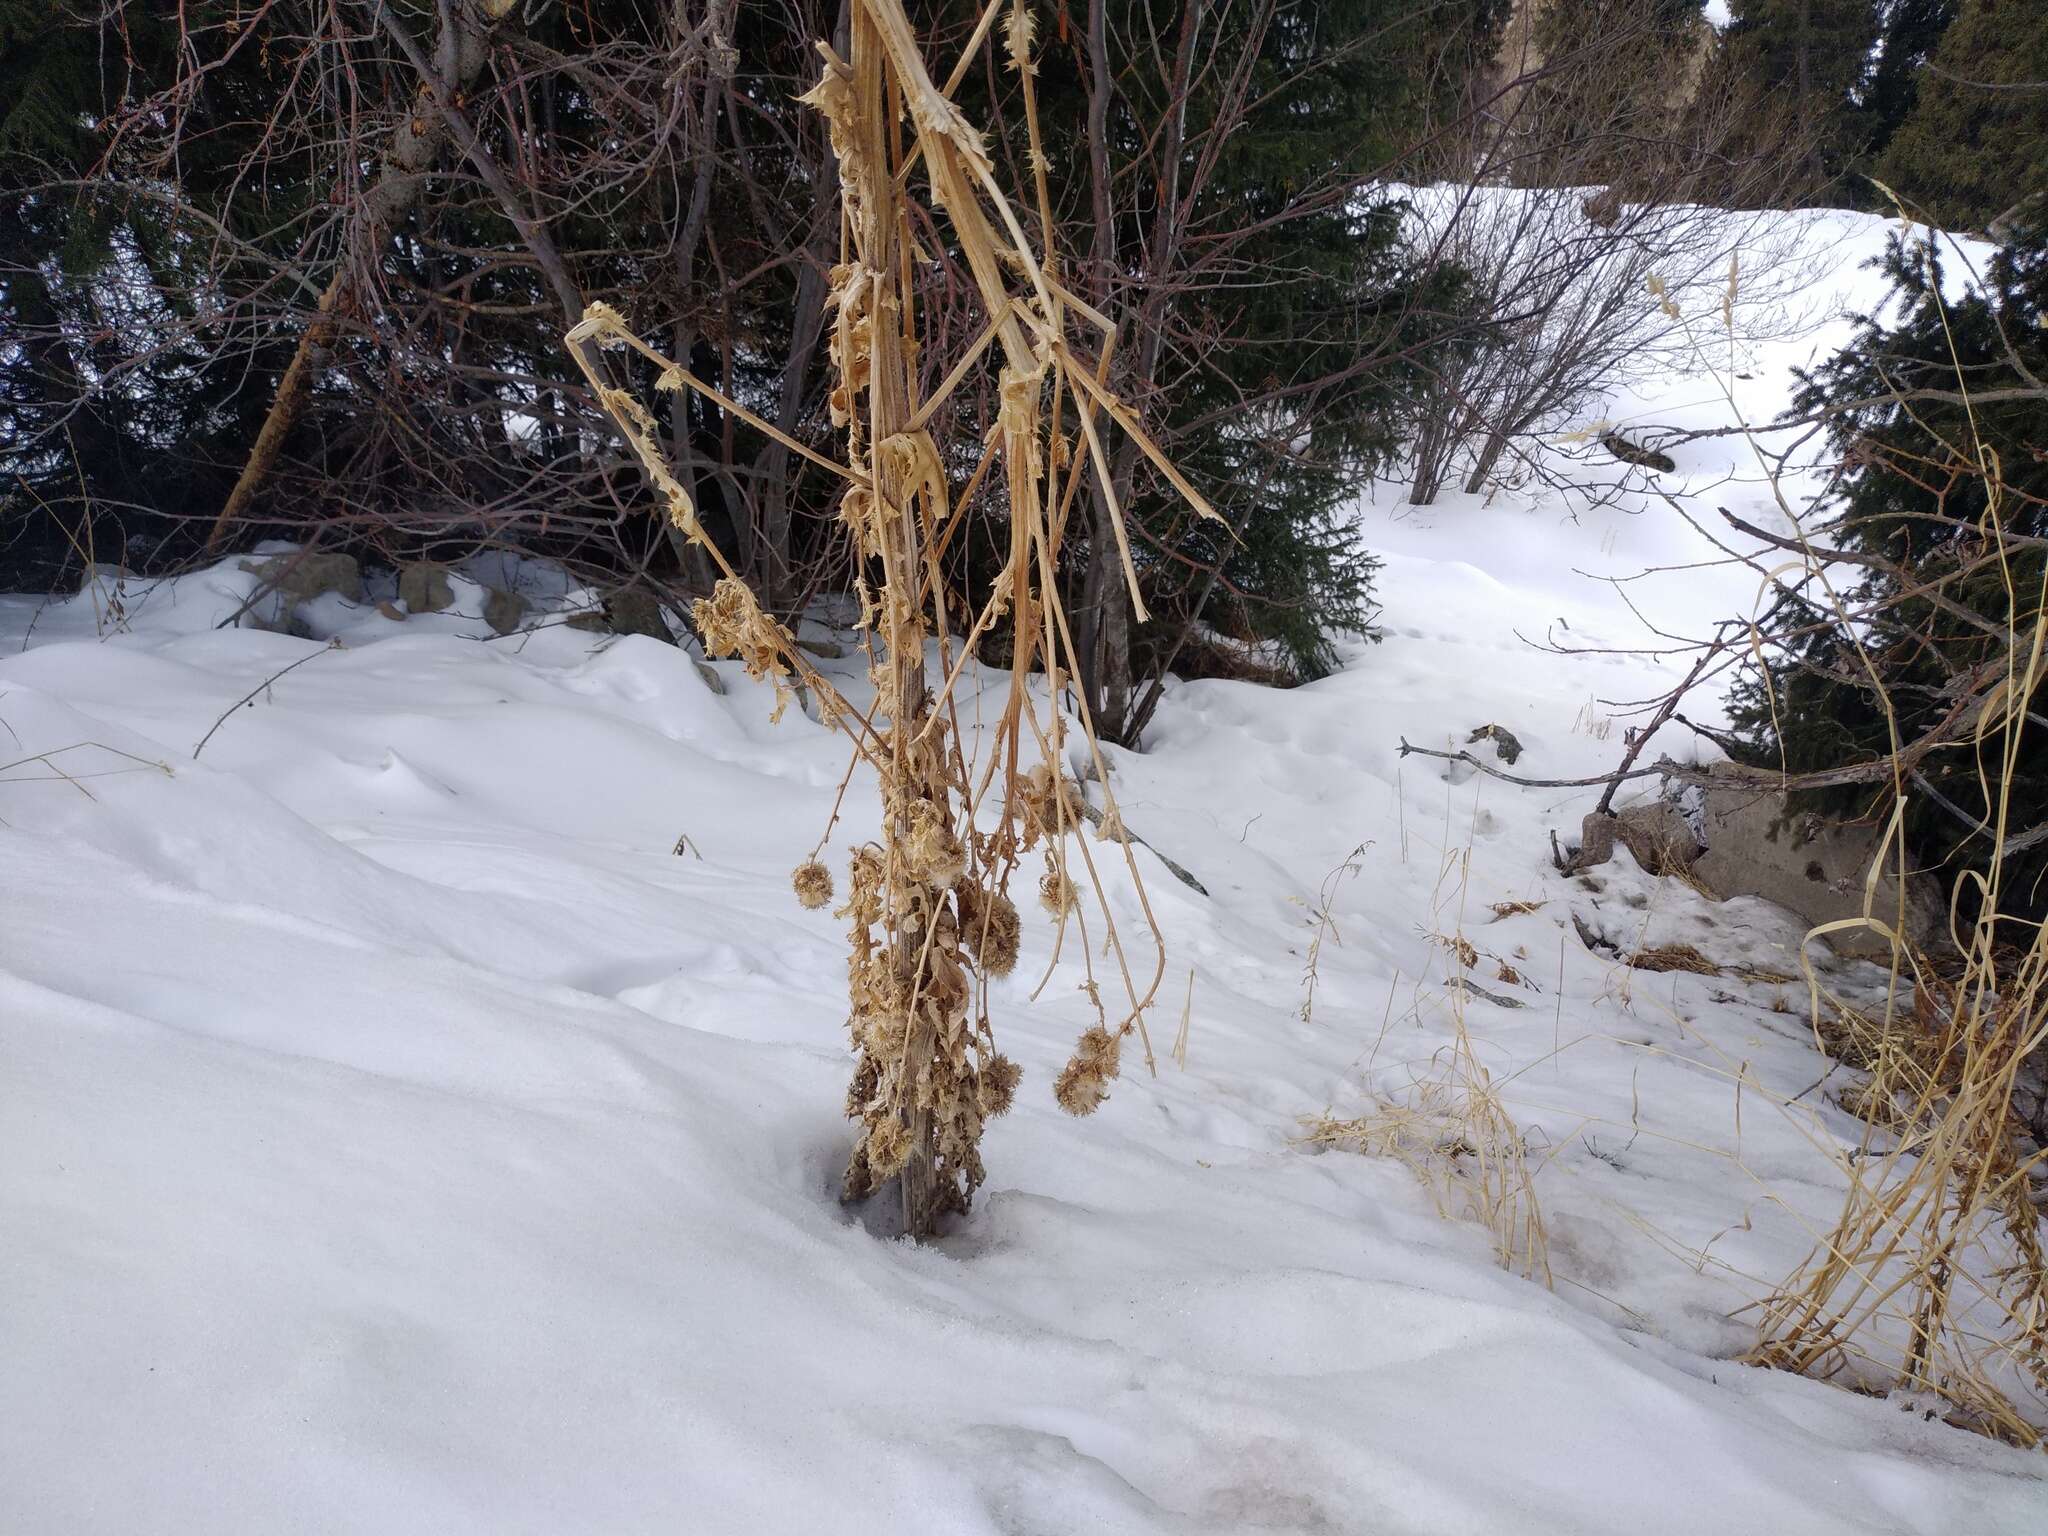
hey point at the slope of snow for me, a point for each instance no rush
(396, 1135)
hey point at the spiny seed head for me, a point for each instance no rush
(997, 1089)
(1056, 892)
(990, 929)
(813, 884)
(1084, 1082)
(996, 944)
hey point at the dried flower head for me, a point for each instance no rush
(997, 1087)
(1055, 891)
(888, 1145)
(813, 884)
(1084, 1082)
(995, 936)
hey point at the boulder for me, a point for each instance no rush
(424, 588)
(503, 611)
(1659, 835)
(308, 575)
(637, 611)
(1813, 867)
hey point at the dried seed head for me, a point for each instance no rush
(1084, 1082)
(813, 884)
(990, 929)
(997, 938)
(997, 1088)
(1055, 891)
(1035, 803)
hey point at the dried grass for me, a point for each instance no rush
(929, 916)
(1450, 1128)
(1673, 957)
(1932, 1282)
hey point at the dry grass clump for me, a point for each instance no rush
(1453, 1132)
(1503, 909)
(930, 920)
(1673, 957)
(1932, 1281)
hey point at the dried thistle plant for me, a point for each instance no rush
(929, 914)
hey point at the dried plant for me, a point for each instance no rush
(1453, 1132)
(930, 918)
(1933, 1281)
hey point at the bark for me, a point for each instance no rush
(1482, 467)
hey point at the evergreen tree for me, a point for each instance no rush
(1256, 278)
(1936, 485)
(115, 424)
(1909, 32)
(1976, 143)
(1815, 54)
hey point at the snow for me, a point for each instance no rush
(396, 1135)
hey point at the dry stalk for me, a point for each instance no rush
(930, 916)
(1933, 1282)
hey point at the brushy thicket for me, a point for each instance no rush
(1943, 426)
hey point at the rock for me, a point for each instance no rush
(637, 611)
(1506, 746)
(1660, 837)
(308, 575)
(711, 678)
(504, 610)
(390, 610)
(1633, 453)
(591, 621)
(1813, 867)
(831, 650)
(1460, 984)
(424, 588)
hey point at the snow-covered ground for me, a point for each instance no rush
(398, 1135)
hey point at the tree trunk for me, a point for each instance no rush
(284, 413)
(1489, 456)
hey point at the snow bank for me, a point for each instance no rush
(396, 1135)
